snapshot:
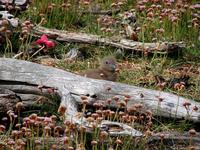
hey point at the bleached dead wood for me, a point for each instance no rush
(175, 137)
(65, 36)
(8, 100)
(174, 140)
(71, 86)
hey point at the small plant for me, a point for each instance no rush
(152, 21)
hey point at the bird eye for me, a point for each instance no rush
(107, 62)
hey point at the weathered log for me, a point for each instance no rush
(65, 36)
(8, 100)
(71, 87)
(171, 140)
(11, 93)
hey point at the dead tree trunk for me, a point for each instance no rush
(65, 36)
(17, 74)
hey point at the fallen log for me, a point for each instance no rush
(70, 87)
(65, 36)
(171, 140)
(8, 100)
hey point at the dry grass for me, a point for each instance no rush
(155, 21)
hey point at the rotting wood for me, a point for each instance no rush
(170, 140)
(70, 87)
(8, 100)
(11, 93)
(65, 36)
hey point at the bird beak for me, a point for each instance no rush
(113, 67)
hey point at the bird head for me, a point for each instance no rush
(109, 64)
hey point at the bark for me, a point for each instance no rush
(171, 140)
(8, 100)
(70, 87)
(11, 93)
(65, 36)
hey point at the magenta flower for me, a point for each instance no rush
(44, 40)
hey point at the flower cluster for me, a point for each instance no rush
(165, 16)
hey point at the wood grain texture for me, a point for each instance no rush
(125, 44)
(71, 86)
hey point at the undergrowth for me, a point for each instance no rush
(156, 21)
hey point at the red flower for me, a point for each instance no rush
(44, 40)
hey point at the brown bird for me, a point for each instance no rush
(106, 70)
